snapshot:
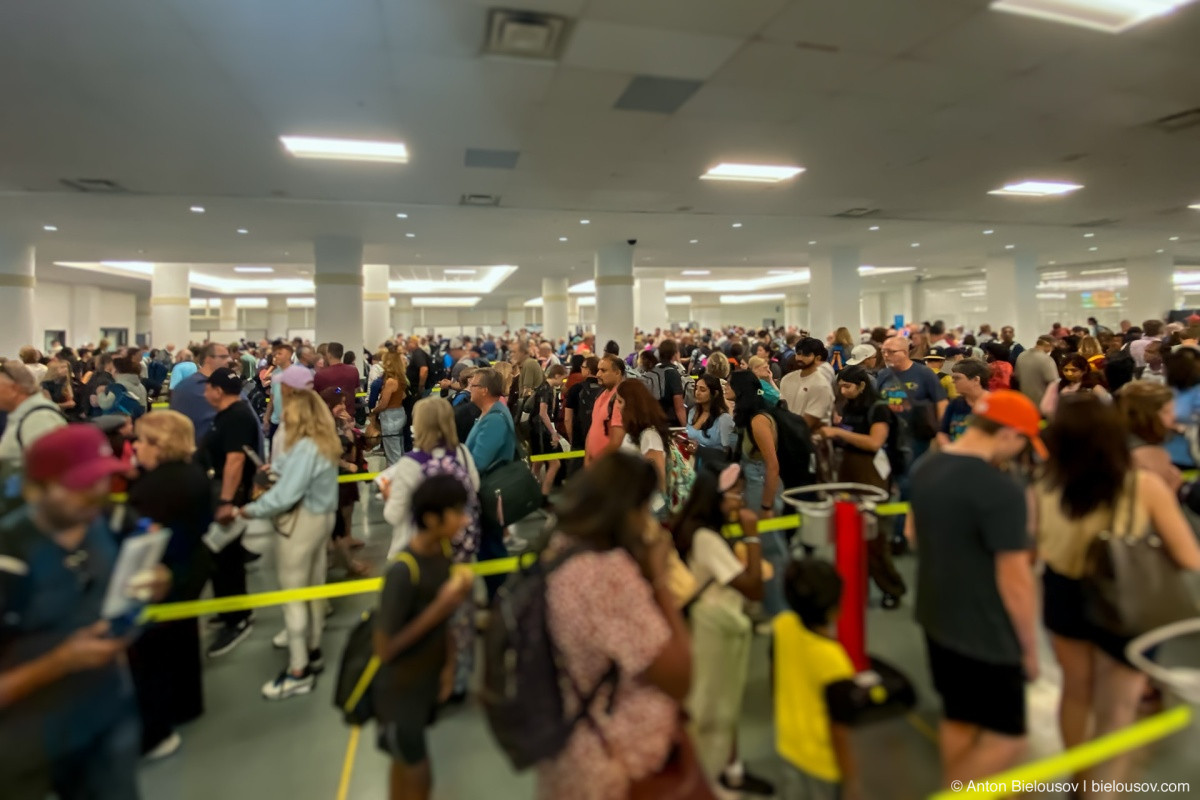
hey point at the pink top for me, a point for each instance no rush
(601, 610)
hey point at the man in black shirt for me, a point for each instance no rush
(234, 428)
(672, 391)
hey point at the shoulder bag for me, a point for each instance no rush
(1130, 583)
(508, 492)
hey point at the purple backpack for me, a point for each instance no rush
(466, 543)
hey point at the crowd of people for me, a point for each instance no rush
(1013, 460)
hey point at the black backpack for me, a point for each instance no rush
(589, 391)
(794, 448)
(523, 679)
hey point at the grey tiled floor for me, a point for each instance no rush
(245, 748)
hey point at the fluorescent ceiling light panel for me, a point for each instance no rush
(484, 283)
(1107, 16)
(458, 272)
(445, 302)
(302, 302)
(1036, 189)
(197, 209)
(140, 267)
(679, 299)
(741, 299)
(253, 269)
(753, 173)
(696, 272)
(1195, 206)
(345, 149)
(250, 302)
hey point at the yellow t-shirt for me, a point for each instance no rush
(805, 663)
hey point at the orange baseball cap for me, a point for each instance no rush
(1013, 410)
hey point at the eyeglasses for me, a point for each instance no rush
(887, 350)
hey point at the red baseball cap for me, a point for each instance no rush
(1013, 410)
(75, 457)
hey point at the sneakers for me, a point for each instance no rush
(316, 661)
(217, 622)
(230, 637)
(166, 747)
(749, 784)
(288, 685)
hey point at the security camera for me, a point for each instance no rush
(631, 242)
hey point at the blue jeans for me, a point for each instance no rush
(774, 543)
(391, 424)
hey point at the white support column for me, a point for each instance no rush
(403, 319)
(574, 318)
(515, 317)
(795, 309)
(170, 306)
(650, 304)
(833, 290)
(872, 310)
(16, 298)
(913, 298)
(338, 280)
(1012, 295)
(277, 318)
(614, 296)
(142, 317)
(554, 308)
(898, 301)
(84, 323)
(227, 322)
(1151, 290)
(706, 310)
(377, 324)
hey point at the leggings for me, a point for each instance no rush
(300, 562)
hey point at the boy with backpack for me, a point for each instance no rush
(818, 760)
(420, 593)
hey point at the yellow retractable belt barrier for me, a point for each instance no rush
(163, 404)
(1071, 762)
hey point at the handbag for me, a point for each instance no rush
(508, 492)
(1130, 583)
(680, 778)
(372, 433)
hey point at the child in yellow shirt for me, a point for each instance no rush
(818, 762)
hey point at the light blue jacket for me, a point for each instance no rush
(721, 434)
(304, 474)
(493, 438)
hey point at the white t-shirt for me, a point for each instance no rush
(810, 394)
(711, 559)
(648, 441)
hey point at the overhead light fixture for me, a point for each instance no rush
(696, 272)
(1093, 249)
(345, 149)
(242, 231)
(402, 215)
(585, 222)
(1052, 263)
(780, 272)
(1107, 16)
(679, 299)
(753, 173)
(562, 238)
(50, 228)
(1160, 250)
(197, 209)
(253, 269)
(741, 299)
(1174, 239)
(814, 241)
(142, 267)
(988, 232)
(410, 236)
(1009, 246)
(915, 244)
(458, 272)
(874, 227)
(693, 241)
(445, 302)
(1195, 206)
(736, 225)
(1037, 189)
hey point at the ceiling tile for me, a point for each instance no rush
(491, 159)
(883, 27)
(645, 51)
(656, 95)
(723, 18)
(764, 65)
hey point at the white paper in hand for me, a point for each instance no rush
(138, 554)
(221, 536)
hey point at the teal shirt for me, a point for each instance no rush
(493, 438)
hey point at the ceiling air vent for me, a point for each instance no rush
(854, 213)
(94, 185)
(525, 34)
(1173, 123)
(479, 200)
(1104, 222)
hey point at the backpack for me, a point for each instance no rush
(588, 393)
(352, 692)
(257, 396)
(523, 678)
(12, 472)
(655, 381)
(124, 401)
(449, 464)
(793, 448)
(437, 371)
(689, 392)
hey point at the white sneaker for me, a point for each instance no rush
(166, 747)
(280, 640)
(287, 685)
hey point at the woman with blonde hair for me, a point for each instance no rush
(389, 412)
(173, 491)
(437, 451)
(718, 366)
(840, 350)
(303, 503)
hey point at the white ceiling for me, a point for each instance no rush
(915, 108)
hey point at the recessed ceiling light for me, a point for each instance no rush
(562, 238)
(458, 272)
(242, 230)
(915, 244)
(585, 222)
(1195, 206)
(51, 228)
(1108, 16)
(988, 232)
(814, 241)
(1093, 249)
(402, 215)
(780, 272)
(1052, 263)
(253, 269)
(755, 173)
(345, 149)
(1174, 239)
(874, 227)
(1160, 250)
(197, 209)
(696, 272)
(693, 241)
(1037, 189)
(1089, 235)
(410, 235)
(1009, 246)
(737, 225)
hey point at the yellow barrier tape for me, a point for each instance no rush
(160, 405)
(559, 456)
(1075, 760)
(1190, 475)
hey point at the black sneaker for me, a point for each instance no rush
(316, 661)
(230, 637)
(751, 784)
(890, 602)
(217, 622)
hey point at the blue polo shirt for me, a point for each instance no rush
(188, 399)
(46, 594)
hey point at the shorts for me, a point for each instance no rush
(404, 740)
(1063, 615)
(800, 785)
(976, 692)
